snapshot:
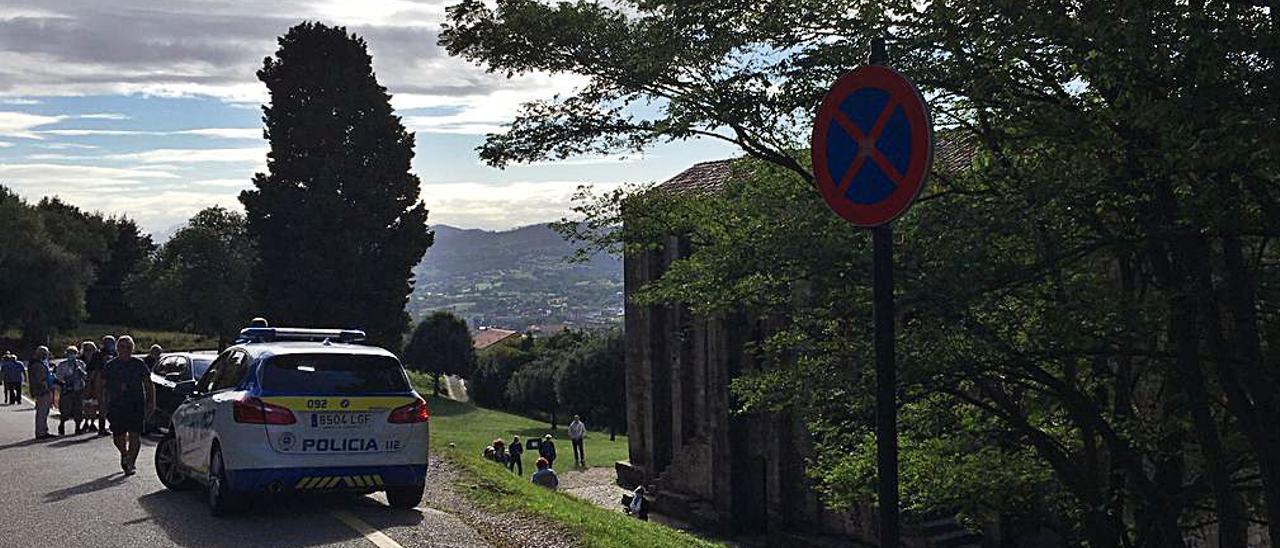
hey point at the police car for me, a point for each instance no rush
(299, 411)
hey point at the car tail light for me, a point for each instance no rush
(414, 412)
(255, 411)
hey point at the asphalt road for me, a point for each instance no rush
(69, 492)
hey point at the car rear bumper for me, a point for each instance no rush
(326, 479)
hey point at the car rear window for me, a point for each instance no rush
(199, 366)
(333, 374)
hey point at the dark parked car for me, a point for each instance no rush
(174, 376)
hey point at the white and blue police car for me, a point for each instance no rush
(299, 411)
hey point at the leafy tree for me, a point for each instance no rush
(494, 367)
(441, 345)
(591, 381)
(337, 219)
(110, 250)
(128, 251)
(1088, 303)
(44, 282)
(533, 388)
(199, 280)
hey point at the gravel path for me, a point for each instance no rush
(446, 491)
(595, 485)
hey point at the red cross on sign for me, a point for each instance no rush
(872, 145)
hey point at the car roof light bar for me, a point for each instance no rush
(275, 334)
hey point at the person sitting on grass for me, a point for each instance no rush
(635, 504)
(545, 476)
(499, 452)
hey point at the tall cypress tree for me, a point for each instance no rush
(337, 218)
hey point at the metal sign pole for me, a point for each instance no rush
(886, 383)
(886, 369)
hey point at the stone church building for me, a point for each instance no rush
(740, 475)
(719, 471)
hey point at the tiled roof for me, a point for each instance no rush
(488, 336)
(701, 178)
(953, 152)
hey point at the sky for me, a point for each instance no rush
(151, 109)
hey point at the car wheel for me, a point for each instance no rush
(168, 469)
(405, 498)
(222, 500)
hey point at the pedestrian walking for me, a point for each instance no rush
(513, 456)
(545, 476)
(13, 372)
(547, 450)
(578, 433)
(129, 399)
(71, 377)
(95, 358)
(108, 348)
(153, 356)
(92, 364)
(38, 378)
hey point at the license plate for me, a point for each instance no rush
(340, 420)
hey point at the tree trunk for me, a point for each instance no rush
(553, 420)
(435, 384)
(1188, 320)
(613, 432)
(1242, 303)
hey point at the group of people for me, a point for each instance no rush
(513, 457)
(91, 387)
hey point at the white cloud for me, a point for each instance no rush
(20, 124)
(67, 146)
(5, 144)
(482, 114)
(212, 132)
(501, 206)
(223, 183)
(62, 175)
(94, 132)
(20, 101)
(225, 132)
(104, 116)
(255, 155)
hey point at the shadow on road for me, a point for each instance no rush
(185, 518)
(74, 440)
(23, 443)
(99, 484)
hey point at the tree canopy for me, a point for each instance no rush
(199, 280)
(441, 345)
(591, 381)
(1088, 301)
(337, 218)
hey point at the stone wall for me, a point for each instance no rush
(739, 475)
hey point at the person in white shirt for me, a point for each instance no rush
(577, 433)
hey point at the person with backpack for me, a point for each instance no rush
(71, 377)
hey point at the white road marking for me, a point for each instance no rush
(378, 538)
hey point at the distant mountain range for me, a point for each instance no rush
(516, 279)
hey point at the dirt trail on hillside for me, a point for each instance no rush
(445, 490)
